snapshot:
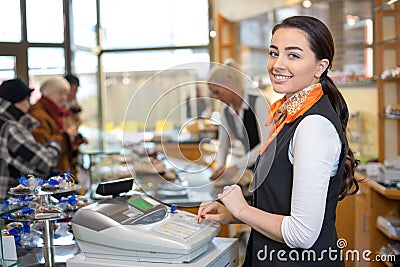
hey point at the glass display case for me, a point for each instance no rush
(5, 210)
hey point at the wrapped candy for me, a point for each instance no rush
(63, 180)
(18, 230)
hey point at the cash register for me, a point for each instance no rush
(139, 228)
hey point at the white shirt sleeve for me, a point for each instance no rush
(261, 107)
(316, 150)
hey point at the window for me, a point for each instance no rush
(43, 60)
(10, 21)
(45, 21)
(130, 38)
(7, 67)
(84, 23)
(153, 23)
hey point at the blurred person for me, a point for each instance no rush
(201, 105)
(242, 117)
(51, 111)
(294, 203)
(72, 102)
(74, 118)
(20, 153)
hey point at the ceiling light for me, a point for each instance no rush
(213, 34)
(307, 3)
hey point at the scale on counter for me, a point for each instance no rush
(140, 228)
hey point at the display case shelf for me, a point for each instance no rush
(5, 210)
(387, 234)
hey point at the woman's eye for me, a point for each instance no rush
(293, 56)
(273, 53)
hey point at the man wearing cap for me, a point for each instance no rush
(20, 153)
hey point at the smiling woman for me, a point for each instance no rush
(311, 164)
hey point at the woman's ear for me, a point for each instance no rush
(322, 65)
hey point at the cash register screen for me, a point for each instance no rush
(141, 203)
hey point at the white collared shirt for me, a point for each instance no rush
(225, 134)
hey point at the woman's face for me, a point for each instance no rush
(59, 98)
(221, 92)
(292, 65)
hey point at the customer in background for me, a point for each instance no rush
(72, 102)
(51, 111)
(294, 205)
(200, 103)
(74, 119)
(242, 117)
(20, 153)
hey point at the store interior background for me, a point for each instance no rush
(121, 48)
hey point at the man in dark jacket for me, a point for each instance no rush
(20, 154)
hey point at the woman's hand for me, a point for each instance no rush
(233, 199)
(214, 211)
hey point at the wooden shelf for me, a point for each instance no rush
(391, 79)
(387, 51)
(387, 263)
(363, 83)
(385, 5)
(385, 191)
(388, 116)
(387, 234)
(388, 41)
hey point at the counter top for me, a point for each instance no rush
(193, 187)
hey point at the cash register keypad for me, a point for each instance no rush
(181, 225)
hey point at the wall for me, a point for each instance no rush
(235, 10)
(365, 100)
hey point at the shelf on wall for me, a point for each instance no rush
(388, 116)
(387, 4)
(356, 83)
(388, 41)
(396, 79)
(386, 233)
(387, 263)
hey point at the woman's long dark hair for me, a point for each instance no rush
(321, 43)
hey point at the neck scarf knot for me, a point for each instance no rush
(286, 111)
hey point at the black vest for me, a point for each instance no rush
(250, 123)
(274, 196)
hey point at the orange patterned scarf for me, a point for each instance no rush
(287, 110)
